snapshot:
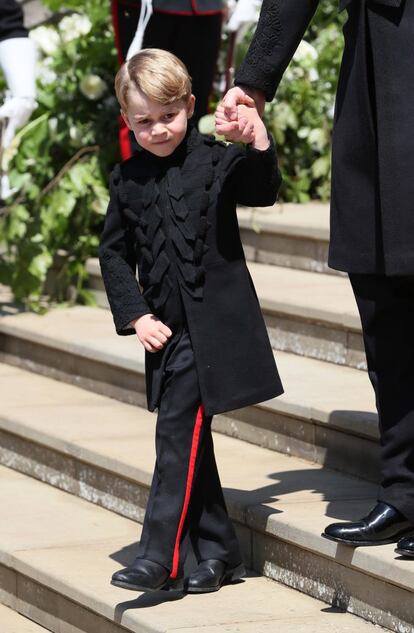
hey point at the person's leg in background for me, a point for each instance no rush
(196, 41)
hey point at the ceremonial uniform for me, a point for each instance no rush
(11, 20)
(372, 219)
(176, 218)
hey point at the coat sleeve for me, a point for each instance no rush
(281, 26)
(117, 259)
(11, 20)
(252, 174)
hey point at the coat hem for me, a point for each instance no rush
(247, 401)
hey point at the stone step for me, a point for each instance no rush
(289, 235)
(102, 450)
(326, 414)
(58, 572)
(35, 13)
(306, 314)
(13, 622)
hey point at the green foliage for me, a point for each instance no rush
(59, 162)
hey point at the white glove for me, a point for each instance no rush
(18, 62)
(245, 12)
(17, 111)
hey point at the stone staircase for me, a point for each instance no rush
(73, 417)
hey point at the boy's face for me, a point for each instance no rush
(157, 128)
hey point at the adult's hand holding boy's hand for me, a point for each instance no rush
(250, 125)
(152, 332)
(227, 124)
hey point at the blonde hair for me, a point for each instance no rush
(160, 75)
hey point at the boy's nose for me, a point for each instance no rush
(158, 130)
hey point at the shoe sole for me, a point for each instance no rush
(404, 552)
(233, 575)
(169, 585)
(366, 543)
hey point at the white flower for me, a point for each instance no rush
(305, 52)
(318, 138)
(46, 75)
(73, 26)
(75, 135)
(53, 124)
(92, 87)
(313, 74)
(47, 39)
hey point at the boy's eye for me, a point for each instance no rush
(143, 121)
(169, 115)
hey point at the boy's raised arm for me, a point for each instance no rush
(252, 170)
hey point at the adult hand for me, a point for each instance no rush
(152, 332)
(228, 125)
(16, 111)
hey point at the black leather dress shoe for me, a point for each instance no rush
(384, 524)
(405, 546)
(211, 575)
(144, 575)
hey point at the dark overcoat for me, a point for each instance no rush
(11, 20)
(372, 203)
(176, 218)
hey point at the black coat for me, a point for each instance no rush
(372, 208)
(11, 20)
(176, 218)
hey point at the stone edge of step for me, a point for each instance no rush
(361, 425)
(277, 220)
(257, 517)
(275, 307)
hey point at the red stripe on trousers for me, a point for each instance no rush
(189, 484)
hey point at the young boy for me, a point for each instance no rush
(172, 212)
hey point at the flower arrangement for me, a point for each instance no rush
(59, 163)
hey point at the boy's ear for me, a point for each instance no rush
(126, 120)
(190, 106)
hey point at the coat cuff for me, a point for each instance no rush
(123, 323)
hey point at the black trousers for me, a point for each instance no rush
(386, 307)
(186, 499)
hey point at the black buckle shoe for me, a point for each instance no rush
(211, 575)
(405, 546)
(384, 524)
(145, 575)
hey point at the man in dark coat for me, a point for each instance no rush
(172, 212)
(372, 218)
(190, 29)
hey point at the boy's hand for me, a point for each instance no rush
(251, 128)
(152, 332)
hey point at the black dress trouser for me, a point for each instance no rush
(386, 307)
(186, 498)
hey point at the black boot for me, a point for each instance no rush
(211, 575)
(405, 546)
(144, 575)
(384, 524)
